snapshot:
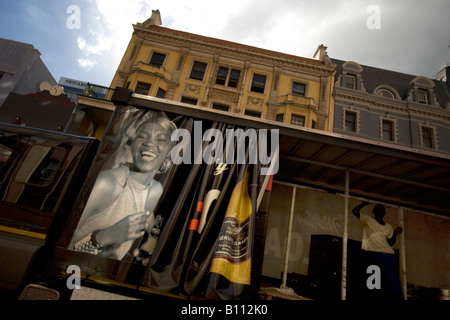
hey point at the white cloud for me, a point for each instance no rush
(292, 26)
(100, 43)
(87, 63)
(109, 26)
(81, 43)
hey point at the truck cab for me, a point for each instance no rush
(41, 173)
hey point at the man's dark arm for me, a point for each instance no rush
(356, 210)
(392, 240)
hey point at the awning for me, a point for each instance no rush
(407, 177)
(383, 172)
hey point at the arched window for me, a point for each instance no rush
(385, 93)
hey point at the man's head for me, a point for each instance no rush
(379, 211)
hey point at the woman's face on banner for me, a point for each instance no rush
(150, 147)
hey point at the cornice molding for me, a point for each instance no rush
(240, 53)
(396, 105)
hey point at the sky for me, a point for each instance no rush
(86, 39)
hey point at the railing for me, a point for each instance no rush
(296, 99)
(96, 91)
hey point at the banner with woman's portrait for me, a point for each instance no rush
(155, 211)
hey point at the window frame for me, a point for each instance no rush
(252, 113)
(49, 159)
(355, 122)
(352, 83)
(298, 120)
(189, 100)
(253, 83)
(195, 71)
(220, 106)
(226, 76)
(431, 139)
(381, 92)
(141, 92)
(223, 75)
(157, 64)
(235, 82)
(422, 93)
(279, 117)
(161, 93)
(384, 131)
(294, 83)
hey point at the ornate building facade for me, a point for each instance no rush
(392, 107)
(228, 76)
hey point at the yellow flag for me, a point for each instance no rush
(232, 258)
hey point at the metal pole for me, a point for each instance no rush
(345, 238)
(402, 253)
(288, 241)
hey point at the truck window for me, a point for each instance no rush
(35, 179)
(4, 156)
(6, 147)
(40, 165)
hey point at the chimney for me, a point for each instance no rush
(444, 74)
(155, 19)
(322, 55)
(320, 52)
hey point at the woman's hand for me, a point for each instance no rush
(129, 228)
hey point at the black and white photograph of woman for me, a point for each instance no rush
(120, 206)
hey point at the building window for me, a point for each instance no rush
(314, 124)
(161, 93)
(220, 107)
(299, 88)
(142, 88)
(222, 75)
(350, 121)
(422, 96)
(279, 117)
(298, 120)
(234, 78)
(189, 100)
(252, 113)
(350, 81)
(258, 83)
(388, 130)
(385, 93)
(226, 78)
(157, 59)
(427, 137)
(198, 70)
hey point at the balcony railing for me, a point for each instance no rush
(142, 66)
(297, 100)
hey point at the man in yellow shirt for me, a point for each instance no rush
(377, 242)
